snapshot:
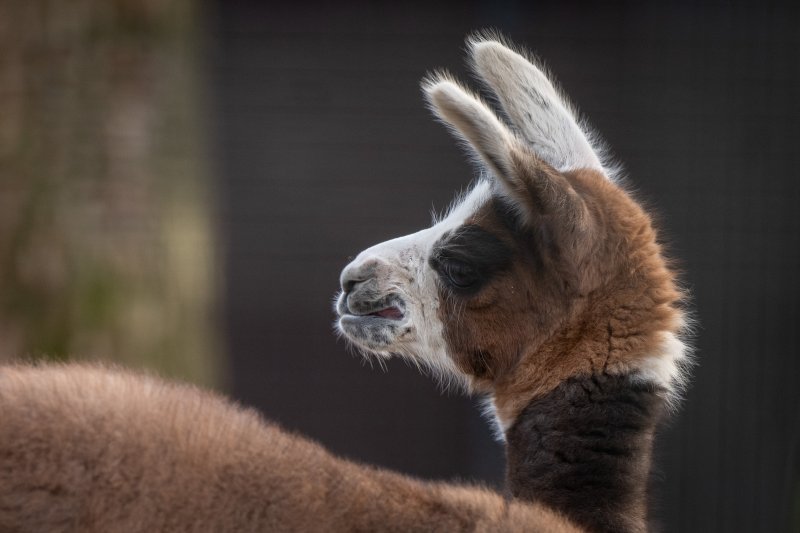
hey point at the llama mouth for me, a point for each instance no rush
(373, 325)
(387, 314)
(388, 308)
(392, 313)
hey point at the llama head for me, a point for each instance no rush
(545, 270)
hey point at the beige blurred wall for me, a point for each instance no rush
(107, 235)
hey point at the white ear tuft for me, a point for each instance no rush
(543, 117)
(470, 119)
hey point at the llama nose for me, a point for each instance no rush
(354, 274)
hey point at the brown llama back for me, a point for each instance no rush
(90, 449)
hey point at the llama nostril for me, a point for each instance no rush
(351, 278)
(353, 275)
(348, 284)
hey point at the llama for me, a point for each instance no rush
(92, 449)
(544, 289)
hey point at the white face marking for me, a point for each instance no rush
(397, 273)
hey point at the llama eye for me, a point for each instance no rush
(460, 274)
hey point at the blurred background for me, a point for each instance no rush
(181, 183)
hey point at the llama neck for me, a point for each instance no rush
(585, 449)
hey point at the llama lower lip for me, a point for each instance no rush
(372, 331)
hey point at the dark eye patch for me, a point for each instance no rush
(473, 249)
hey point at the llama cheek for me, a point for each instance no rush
(460, 344)
(484, 301)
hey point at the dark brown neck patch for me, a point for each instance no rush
(584, 449)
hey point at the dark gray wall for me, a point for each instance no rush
(325, 148)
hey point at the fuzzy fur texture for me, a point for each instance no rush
(90, 449)
(585, 448)
(598, 299)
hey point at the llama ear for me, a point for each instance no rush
(532, 184)
(472, 121)
(543, 118)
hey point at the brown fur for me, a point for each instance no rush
(88, 449)
(553, 296)
(584, 448)
(586, 296)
